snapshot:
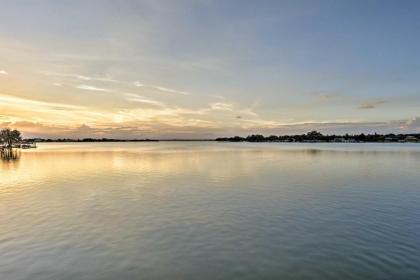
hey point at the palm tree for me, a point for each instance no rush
(10, 137)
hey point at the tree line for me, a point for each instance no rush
(315, 136)
(9, 137)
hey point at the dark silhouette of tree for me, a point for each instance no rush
(314, 135)
(10, 137)
(255, 138)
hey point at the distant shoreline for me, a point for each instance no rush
(310, 137)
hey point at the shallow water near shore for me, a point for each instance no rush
(208, 210)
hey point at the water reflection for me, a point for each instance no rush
(9, 154)
(175, 211)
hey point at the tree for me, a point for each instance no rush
(255, 138)
(314, 135)
(10, 137)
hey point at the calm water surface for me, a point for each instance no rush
(203, 210)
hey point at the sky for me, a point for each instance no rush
(203, 69)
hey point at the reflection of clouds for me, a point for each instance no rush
(67, 162)
(182, 163)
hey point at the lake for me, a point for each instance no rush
(208, 210)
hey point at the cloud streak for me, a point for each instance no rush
(111, 80)
(220, 106)
(12, 100)
(79, 77)
(132, 97)
(160, 88)
(91, 88)
(371, 104)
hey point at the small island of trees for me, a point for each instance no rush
(10, 141)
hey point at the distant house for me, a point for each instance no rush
(339, 140)
(411, 139)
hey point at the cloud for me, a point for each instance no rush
(76, 76)
(228, 107)
(132, 97)
(249, 111)
(371, 104)
(57, 84)
(221, 106)
(12, 100)
(138, 84)
(92, 88)
(3, 72)
(160, 88)
(183, 123)
(412, 124)
(109, 79)
(190, 127)
(171, 90)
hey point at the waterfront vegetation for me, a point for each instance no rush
(10, 142)
(10, 137)
(13, 139)
(315, 136)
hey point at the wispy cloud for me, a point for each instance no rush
(92, 88)
(76, 76)
(413, 123)
(80, 77)
(219, 97)
(371, 104)
(171, 90)
(221, 106)
(138, 84)
(109, 79)
(161, 88)
(251, 110)
(3, 72)
(132, 97)
(12, 100)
